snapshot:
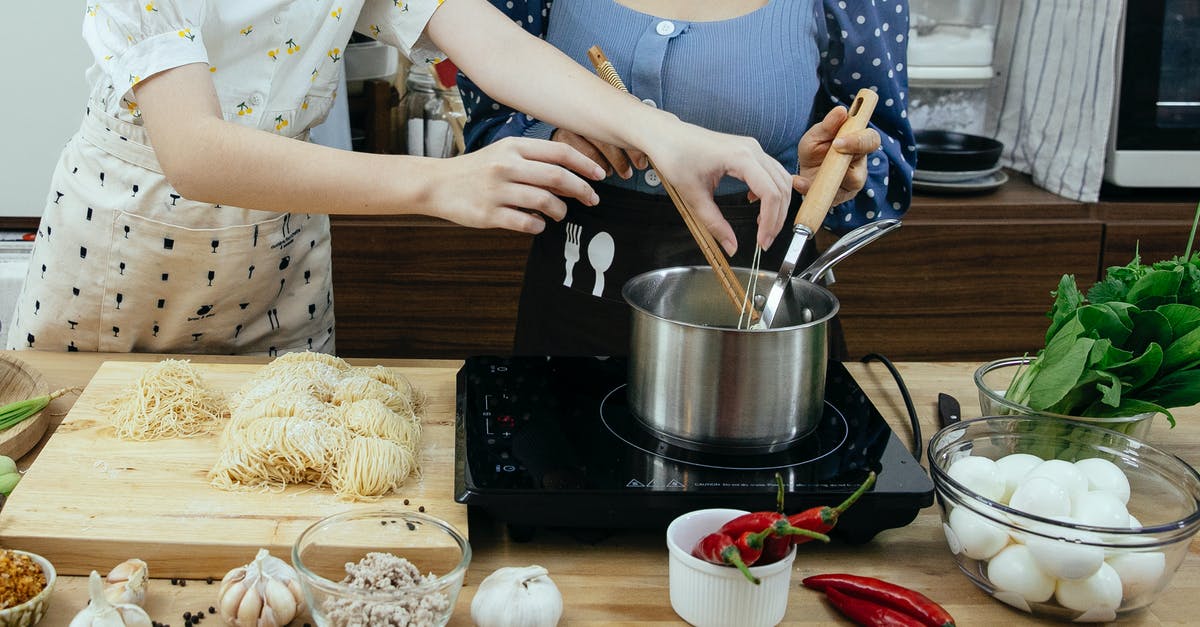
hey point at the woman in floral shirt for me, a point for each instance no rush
(184, 216)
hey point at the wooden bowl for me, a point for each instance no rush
(18, 381)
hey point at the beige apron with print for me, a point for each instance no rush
(122, 263)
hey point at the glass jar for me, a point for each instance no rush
(419, 96)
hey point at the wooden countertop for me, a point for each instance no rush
(623, 578)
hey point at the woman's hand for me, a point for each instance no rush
(513, 184)
(694, 159)
(816, 143)
(611, 158)
(567, 95)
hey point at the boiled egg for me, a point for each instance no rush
(1064, 555)
(1105, 476)
(1097, 593)
(978, 537)
(1013, 469)
(1140, 572)
(1014, 570)
(1099, 509)
(979, 475)
(1041, 496)
(1062, 472)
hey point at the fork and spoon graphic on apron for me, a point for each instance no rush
(600, 251)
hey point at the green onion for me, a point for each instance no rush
(13, 413)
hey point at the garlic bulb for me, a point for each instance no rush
(263, 593)
(102, 613)
(126, 583)
(517, 597)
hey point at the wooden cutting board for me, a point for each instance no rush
(90, 501)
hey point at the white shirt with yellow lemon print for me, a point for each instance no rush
(275, 64)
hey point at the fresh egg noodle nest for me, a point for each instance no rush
(169, 400)
(313, 418)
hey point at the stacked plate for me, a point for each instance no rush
(957, 163)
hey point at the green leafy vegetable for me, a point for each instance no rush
(1130, 346)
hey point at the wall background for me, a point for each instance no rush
(44, 98)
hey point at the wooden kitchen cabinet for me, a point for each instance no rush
(424, 287)
(966, 278)
(1157, 228)
(966, 290)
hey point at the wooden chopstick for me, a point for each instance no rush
(708, 245)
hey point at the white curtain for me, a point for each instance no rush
(1054, 108)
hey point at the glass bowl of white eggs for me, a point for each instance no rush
(1067, 521)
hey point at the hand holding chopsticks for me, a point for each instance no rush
(708, 245)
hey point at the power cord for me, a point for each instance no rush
(918, 439)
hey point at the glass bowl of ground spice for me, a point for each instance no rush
(26, 580)
(381, 567)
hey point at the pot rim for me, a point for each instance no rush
(835, 304)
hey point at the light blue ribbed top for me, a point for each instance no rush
(752, 75)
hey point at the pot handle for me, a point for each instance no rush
(847, 245)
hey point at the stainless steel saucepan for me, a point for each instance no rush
(698, 381)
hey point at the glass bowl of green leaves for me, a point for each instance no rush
(995, 378)
(1116, 356)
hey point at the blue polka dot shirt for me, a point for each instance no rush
(769, 74)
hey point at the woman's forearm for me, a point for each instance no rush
(511, 185)
(210, 160)
(534, 77)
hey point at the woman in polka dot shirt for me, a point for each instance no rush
(188, 214)
(774, 70)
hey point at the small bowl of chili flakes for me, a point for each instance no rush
(26, 580)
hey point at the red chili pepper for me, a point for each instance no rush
(864, 612)
(750, 545)
(899, 598)
(823, 519)
(718, 548)
(757, 521)
(753, 522)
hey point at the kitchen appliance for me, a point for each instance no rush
(951, 45)
(1155, 133)
(551, 441)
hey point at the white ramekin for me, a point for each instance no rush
(706, 594)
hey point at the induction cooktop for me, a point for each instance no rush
(552, 441)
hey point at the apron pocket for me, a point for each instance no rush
(202, 290)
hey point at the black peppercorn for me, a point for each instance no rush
(212, 610)
(209, 581)
(411, 527)
(406, 501)
(421, 508)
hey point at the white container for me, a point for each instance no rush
(14, 264)
(705, 594)
(371, 59)
(952, 33)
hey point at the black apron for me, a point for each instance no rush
(581, 311)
